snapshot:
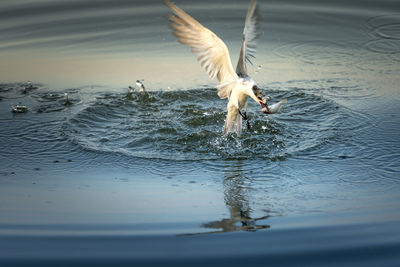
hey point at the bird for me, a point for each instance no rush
(213, 55)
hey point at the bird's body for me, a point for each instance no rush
(237, 102)
(213, 55)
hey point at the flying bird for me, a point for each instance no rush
(213, 56)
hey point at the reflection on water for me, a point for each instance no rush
(237, 191)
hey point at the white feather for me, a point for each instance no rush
(250, 35)
(212, 52)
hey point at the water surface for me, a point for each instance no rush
(112, 177)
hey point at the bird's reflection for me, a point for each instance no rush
(236, 196)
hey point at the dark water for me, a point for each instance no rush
(112, 178)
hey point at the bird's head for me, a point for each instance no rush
(257, 95)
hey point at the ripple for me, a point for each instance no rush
(35, 142)
(383, 46)
(316, 52)
(17, 90)
(350, 92)
(386, 26)
(54, 101)
(390, 31)
(187, 125)
(385, 31)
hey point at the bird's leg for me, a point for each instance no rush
(244, 116)
(247, 121)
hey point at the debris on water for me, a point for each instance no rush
(129, 95)
(141, 86)
(28, 87)
(19, 108)
(67, 101)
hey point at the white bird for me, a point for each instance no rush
(213, 56)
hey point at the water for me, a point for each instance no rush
(116, 177)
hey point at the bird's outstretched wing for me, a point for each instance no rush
(211, 51)
(250, 35)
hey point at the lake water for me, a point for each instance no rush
(114, 178)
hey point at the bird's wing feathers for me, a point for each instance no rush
(250, 35)
(211, 51)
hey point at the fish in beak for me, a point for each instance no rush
(260, 98)
(273, 108)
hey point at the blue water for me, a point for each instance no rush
(109, 177)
